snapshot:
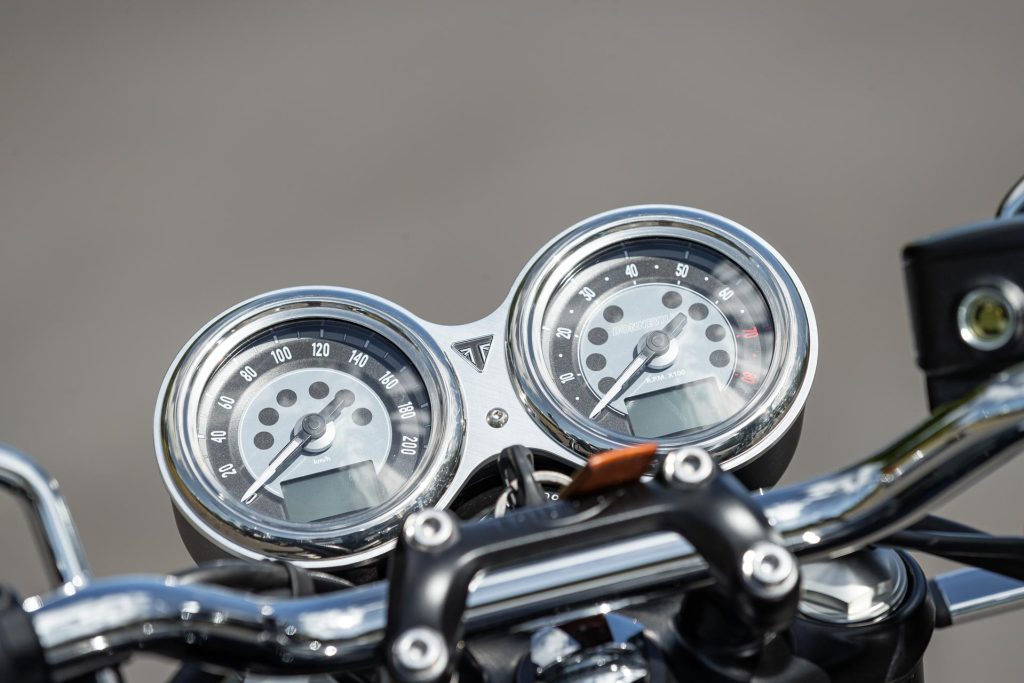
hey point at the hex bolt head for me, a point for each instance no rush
(429, 529)
(420, 653)
(769, 569)
(688, 467)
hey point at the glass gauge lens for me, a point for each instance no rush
(657, 337)
(313, 420)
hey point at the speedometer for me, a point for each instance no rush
(667, 324)
(304, 423)
(313, 420)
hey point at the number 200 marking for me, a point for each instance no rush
(410, 444)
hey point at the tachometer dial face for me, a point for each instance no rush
(598, 329)
(313, 420)
(666, 324)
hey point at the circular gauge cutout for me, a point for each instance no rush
(305, 423)
(663, 324)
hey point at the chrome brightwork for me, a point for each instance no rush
(970, 594)
(420, 653)
(618, 655)
(741, 438)
(240, 531)
(1006, 296)
(428, 529)
(475, 351)
(858, 588)
(688, 466)
(497, 417)
(54, 529)
(830, 516)
(467, 371)
(769, 569)
(1013, 202)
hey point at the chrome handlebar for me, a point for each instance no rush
(55, 530)
(81, 628)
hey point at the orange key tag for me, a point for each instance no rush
(611, 468)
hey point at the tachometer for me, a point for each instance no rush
(666, 324)
(308, 421)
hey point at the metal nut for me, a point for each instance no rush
(420, 652)
(688, 466)
(429, 529)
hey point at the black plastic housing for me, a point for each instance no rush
(21, 656)
(940, 271)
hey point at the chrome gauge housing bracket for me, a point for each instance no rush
(683, 328)
(228, 524)
(774, 412)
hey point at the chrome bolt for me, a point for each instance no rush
(429, 529)
(988, 316)
(688, 466)
(420, 652)
(497, 418)
(769, 569)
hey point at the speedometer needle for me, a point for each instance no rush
(652, 345)
(312, 427)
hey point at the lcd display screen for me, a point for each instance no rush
(331, 493)
(679, 409)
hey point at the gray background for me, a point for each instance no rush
(160, 162)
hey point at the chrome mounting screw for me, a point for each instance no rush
(420, 653)
(429, 529)
(497, 418)
(688, 466)
(769, 569)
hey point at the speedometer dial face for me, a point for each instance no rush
(306, 424)
(598, 329)
(314, 420)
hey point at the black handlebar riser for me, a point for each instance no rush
(429, 586)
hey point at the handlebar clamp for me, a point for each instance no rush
(437, 558)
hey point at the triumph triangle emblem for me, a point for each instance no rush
(475, 351)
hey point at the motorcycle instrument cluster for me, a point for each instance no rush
(306, 423)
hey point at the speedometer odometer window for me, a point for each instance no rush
(325, 494)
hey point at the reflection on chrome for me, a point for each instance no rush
(828, 516)
(54, 527)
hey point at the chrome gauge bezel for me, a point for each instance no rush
(735, 442)
(356, 538)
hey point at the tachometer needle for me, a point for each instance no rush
(652, 345)
(312, 426)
